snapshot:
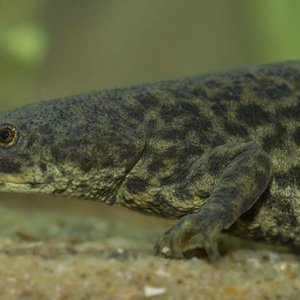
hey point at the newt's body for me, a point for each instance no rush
(219, 151)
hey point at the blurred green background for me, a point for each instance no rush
(52, 48)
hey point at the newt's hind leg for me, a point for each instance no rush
(242, 181)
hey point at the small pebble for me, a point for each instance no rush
(165, 250)
(152, 291)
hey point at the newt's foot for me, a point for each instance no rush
(171, 244)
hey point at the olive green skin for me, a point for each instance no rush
(219, 151)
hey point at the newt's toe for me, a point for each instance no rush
(172, 243)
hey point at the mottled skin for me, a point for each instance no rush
(219, 151)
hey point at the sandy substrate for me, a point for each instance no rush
(66, 249)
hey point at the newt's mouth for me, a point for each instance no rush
(15, 183)
(15, 179)
(24, 187)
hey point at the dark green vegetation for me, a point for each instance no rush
(219, 151)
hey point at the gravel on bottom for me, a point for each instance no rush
(82, 250)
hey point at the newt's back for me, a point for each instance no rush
(257, 104)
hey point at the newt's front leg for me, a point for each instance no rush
(241, 182)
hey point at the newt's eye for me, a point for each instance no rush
(8, 136)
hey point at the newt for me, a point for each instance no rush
(220, 152)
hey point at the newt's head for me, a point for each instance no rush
(74, 146)
(19, 170)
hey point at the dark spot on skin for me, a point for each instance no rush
(9, 166)
(43, 167)
(212, 83)
(234, 91)
(217, 140)
(199, 93)
(107, 162)
(275, 140)
(268, 88)
(50, 178)
(253, 115)
(180, 93)
(264, 160)
(230, 92)
(179, 174)
(34, 185)
(216, 163)
(70, 150)
(125, 151)
(151, 126)
(146, 99)
(135, 113)
(159, 200)
(296, 135)
(83, 186)
(172, 134)
(57, 154)
(171, 152)
(291, 177)
(160, 206)
(86, 164)
(181, 193)
(169, 112)
(136, 185)
(249, 76)
(156, 165)
(194, 150)
(189, 107)
(202, 193)
(199, 123)
(289, 72)
(296, 80)
(235, 129)
(219, 109)
(286, 214)
(217, 97)
(278, 91)
(290, 112)
(280, 71)
(272, 141)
